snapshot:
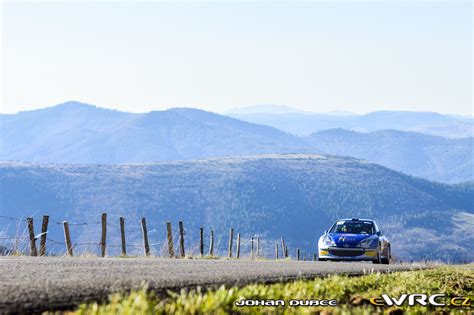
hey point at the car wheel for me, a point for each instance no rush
(377, 260)
(386, 261)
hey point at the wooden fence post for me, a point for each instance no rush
(122, 236)
(251, 248)
(44, 231)
(146, 245)
(286, 251)
(238, 246)
(181, 239)
(298, 254)
(67, 238)
(104, 234)
(170, 239)
(258, 247)
(211, 245)
(283, 246)
(31, 230)
(231, 236)
(276, 250)
(201, 241)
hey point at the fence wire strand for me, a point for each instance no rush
(133, 227)
(12, 218)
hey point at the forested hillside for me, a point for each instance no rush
(297, 196)
(432, 157)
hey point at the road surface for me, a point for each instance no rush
(34, 284)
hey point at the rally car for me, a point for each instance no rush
(354, 240)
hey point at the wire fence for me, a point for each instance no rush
(156, 240)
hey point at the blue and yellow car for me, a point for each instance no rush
(354, 240)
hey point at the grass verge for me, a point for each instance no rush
(353, 294)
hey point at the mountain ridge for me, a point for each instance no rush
(80, 133)
(413, 153)
(304, 124)
(72, 134)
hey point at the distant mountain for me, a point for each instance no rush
(279, 109)
(78, 133)
(263, 108)
(307, 123)
(433, 157)
(295, 196)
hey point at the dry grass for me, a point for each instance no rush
(353, 294)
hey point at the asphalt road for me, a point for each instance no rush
(34, 284)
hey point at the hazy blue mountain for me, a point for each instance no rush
(279, 109)
(432, 157)
(263, 108)
(78, 133)
(297, 196)
(423, 122)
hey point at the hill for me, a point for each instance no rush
(432, 157)
(297, 196)
(306, 123)
(79, 133)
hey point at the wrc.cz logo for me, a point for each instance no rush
(439, 299)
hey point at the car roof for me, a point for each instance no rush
(356, 219)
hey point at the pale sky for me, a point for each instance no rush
(313, 55)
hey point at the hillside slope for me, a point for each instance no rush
(297, 196)
(433, 157)
(79, 133)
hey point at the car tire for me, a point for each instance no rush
(386, 261)
(377, 260)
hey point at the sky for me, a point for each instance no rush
(315, 56)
